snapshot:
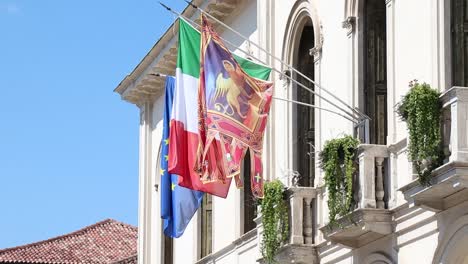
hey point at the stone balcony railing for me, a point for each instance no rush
(370, 220)
(449, 183)
(300, 245)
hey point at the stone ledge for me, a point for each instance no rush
(360, 227)
(229, 249)
(297, 254)
(449, 187)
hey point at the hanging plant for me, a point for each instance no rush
(274, 219)
(338, 162)
(421, 108)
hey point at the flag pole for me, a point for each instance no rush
(157, 74)
(362, 115)
(314, 106)
(358, 119)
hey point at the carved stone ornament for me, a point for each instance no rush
(316, 51)
(349, 24)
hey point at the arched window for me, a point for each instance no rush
(459, 28)
(302, 48)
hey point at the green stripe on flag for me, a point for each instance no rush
(188, 55)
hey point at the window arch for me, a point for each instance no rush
(302, 49)
(378, 258)
(452, 247)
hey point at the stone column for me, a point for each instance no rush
(307, 220)
(379, 187)
(367, 180)
(296, 228)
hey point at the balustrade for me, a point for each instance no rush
(455, 124)
(449, 182)
(373, 167)
(370, 220)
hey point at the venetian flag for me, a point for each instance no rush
(233, 113)
(184, 133)
(178, 204)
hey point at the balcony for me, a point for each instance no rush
(300, 245)
(449, 183)
(370, 220)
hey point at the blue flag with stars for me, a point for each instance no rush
(178, 204)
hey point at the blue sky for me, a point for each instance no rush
(68, 143)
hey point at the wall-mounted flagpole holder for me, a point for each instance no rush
(359, 119)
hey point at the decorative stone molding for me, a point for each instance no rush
(452, 246)
(239, 245)
(378, 258)
(349, 24)
(297, 254)
(360, 227)
(449, 187)
(141, 84)
(316, 51)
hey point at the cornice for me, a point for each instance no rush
(141, 85)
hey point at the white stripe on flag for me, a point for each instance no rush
(185, 108)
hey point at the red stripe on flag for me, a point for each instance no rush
(182, 154)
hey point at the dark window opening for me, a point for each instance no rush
(168, 249)
(375, 90)
(249, 203)
(206, 226)
(304, 116)
(459, 27)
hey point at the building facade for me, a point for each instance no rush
(365, 53)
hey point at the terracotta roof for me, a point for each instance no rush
(108, 241)
(130, 260)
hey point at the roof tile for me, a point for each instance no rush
(108, 241)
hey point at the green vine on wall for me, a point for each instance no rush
(421, 108)
(338, 162)
(274, 219)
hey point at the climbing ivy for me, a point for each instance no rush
(274, 219)
(338, 162)
(421, 108)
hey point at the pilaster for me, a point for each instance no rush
(145, 187)
(391, 87)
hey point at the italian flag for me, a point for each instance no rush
(184, 117)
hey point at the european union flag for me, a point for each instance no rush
(178, 204)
